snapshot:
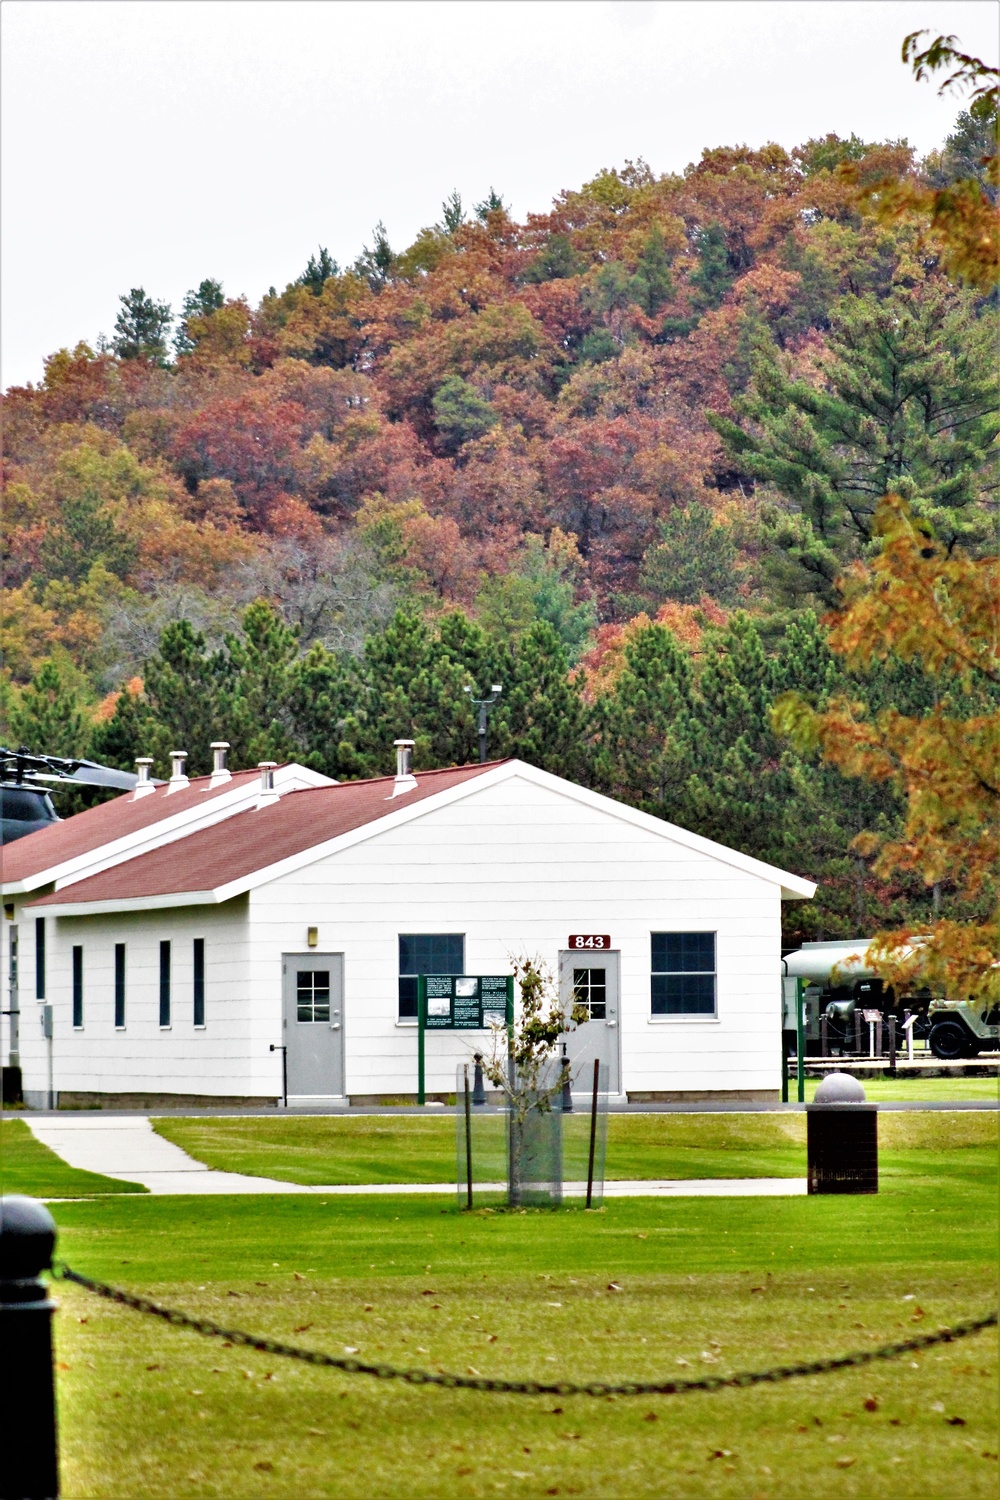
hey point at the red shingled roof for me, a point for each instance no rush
(105, 824)
(252, 840)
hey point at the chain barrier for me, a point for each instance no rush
(484, 1383)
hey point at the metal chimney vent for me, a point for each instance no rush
(178, 780)
(267, 793)
(143, 786)
(405, 779)
(220, 773)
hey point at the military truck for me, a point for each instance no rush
(839, 982)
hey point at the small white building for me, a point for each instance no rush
(166, 943)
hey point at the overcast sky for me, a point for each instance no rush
(155, 144)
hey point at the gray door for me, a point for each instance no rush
(313, 988)
(592, 980)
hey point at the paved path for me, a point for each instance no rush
(129, 1149)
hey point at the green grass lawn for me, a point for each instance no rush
(26, 1166)
(918, 1090)
(384, 1148)
(705, 1285)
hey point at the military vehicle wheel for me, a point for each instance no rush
(949, 1040)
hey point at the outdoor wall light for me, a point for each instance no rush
(312, 936)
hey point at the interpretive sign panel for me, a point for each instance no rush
(465, 1002)
(460, 1002)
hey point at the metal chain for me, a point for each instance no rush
(528, 1387)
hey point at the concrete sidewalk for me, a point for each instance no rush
(130, 1150)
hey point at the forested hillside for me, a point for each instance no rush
(614, 458)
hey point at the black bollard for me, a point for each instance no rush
(567, 1088)
(478, 1091)
(842, 1138)
(29, 1462)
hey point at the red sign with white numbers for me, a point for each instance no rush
(589, 940)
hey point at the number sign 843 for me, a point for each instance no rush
(589, 940)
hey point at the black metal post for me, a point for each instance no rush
(478, 1090)
(824, 1036)
(482, 734)
(468, 1141)
(593, 1133)
(859, 1022)
(277, 1047)
(29, 1458)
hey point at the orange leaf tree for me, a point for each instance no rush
(938, 612)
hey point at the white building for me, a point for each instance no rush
(172, 939)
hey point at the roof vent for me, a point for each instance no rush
(178, 781)
(405, 779)
(143, 786)
(220, 774)
(267, 794)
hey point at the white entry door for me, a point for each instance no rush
(313, 989)
(591, 980)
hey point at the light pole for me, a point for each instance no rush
(484, 705)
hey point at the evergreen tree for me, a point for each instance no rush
(318, 271)
(452, 212)
(639, 754)
(652, 284)
(184, 687)
(258, 687)
(460, 413)
(543, 709)
(141, 328)
(48, 719)
(207, 298)
(120, 740)
(375, 264)
(712, 277)
(908, 403)
(695, 556)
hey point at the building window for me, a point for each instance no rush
(312, 995)
(119, 985)
(683, 980)
(77, 986)
(199, 981)
(426, 953)
(590, 990)
(165, 984)
(39, 958)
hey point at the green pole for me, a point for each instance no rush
(421, 1023)
(800, 1039)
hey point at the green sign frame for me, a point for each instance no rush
(460, 1002)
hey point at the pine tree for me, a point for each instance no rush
(206, 299)
(141, 327)
(48, 719)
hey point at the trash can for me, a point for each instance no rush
(842, 1138)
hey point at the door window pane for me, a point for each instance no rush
(312, 995)
(683, 974)
(426, 953)
(590, 989)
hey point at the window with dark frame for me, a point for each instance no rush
(119, 986)
(426, 953)
(683, 974)
(39, 958)
(165, 983)
(312, 995)
(590, 990)
(199, 981)
(77, 986)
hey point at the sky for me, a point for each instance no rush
(155, 144)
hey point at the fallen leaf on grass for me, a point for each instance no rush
(315, 1432)
(720, 1453)
(651, 1416)
(613, 1286)
(471, 1370)
(154, 1367)
(553, 1304)
(463, 1471)
(758, 1289)
(264, 1466)
(234, 1294)
(302, 1328)
(62, 1366)
(297, 1276)
(955, 1421)
(351, 1349)
(845, 1462)
(871, 1404)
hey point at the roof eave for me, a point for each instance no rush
(123, 904)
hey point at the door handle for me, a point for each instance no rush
(334, 1025)
(612, 1023)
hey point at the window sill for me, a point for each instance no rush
(405, 1021)
(166, 1028)
(201, 1027)
(79, 1028)
(121, 1028)
(683, 1021)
